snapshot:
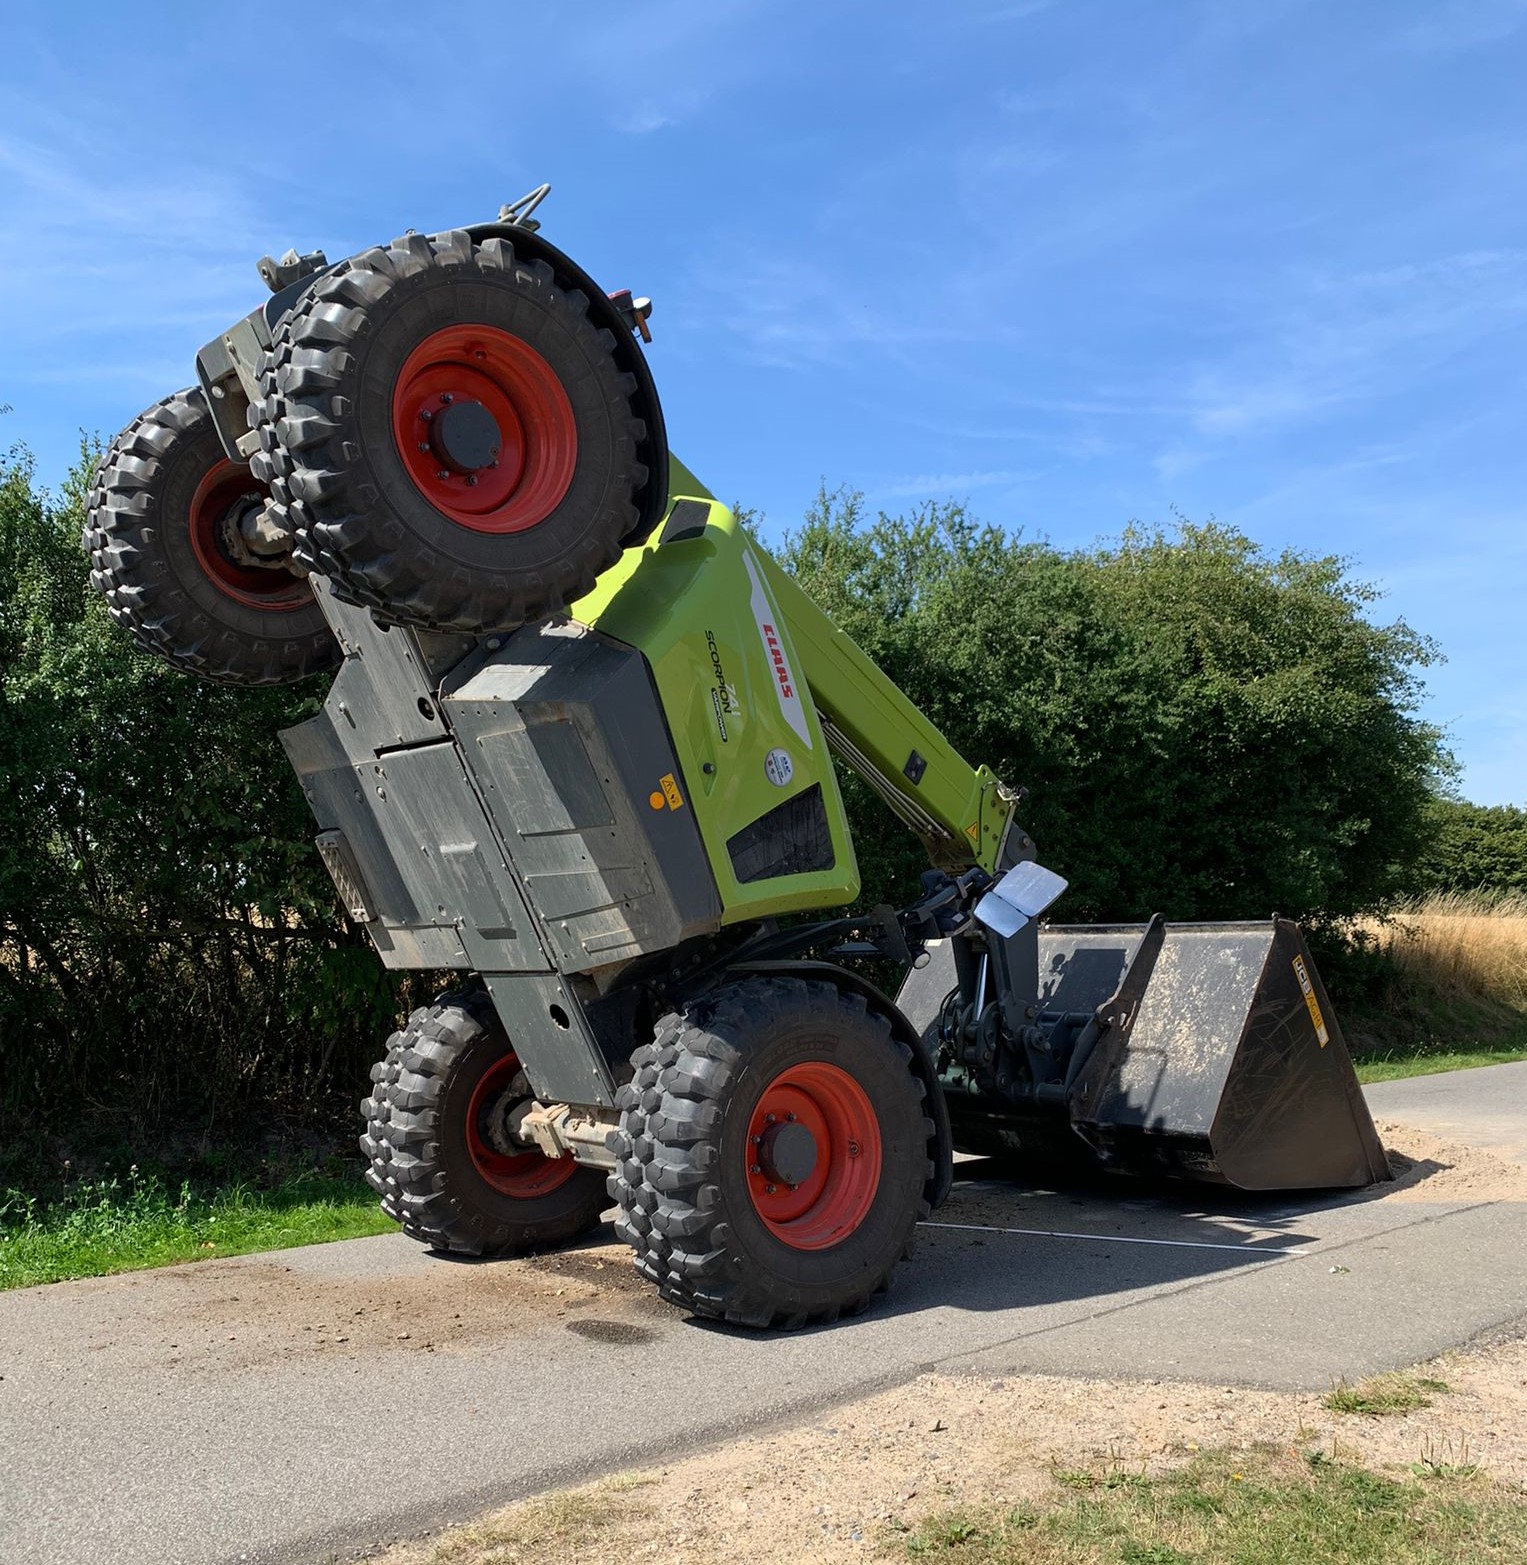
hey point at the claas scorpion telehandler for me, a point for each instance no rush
(582, 747)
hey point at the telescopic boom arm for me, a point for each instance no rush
(962, 813)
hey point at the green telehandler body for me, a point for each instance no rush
(583, 748)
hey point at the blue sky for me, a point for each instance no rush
(1075, 262)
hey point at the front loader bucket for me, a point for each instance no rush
(1232, 1067)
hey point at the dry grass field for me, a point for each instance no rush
(1462, 945)
(1449, 986)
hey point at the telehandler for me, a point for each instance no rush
(582, 748)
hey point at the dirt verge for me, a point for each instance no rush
(848, 1482)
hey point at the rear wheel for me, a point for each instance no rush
(440, 1144)
(170, 555)
(773, 1154)
(451, 436)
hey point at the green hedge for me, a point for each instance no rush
(1206, 730)
(168, 939)
(1472, 847)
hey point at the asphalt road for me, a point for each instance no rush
(320, 1402)
(1484, 1108)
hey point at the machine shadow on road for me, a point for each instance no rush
(1014, 1237)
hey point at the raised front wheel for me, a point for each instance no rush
(457, 443)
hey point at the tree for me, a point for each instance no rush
(1474, 847)
(1206, 730)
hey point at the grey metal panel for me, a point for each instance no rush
(423, 850)
(340, 796)
(552, 1037)
(445, 852)
(383, 695)
(924, 989)
(312, 746)
(420, 947)
(567, 742)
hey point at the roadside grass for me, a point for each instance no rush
(1440, 985)
(1397, 1064)
(1231, 1508)
(124, 1224)
(1381, 1396)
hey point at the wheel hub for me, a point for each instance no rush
(223, 508)
(788, 1153)
(504, 1160)
(246, 537)
(498, 1123)
(466, 437)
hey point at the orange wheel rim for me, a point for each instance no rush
(522, 1175)
(484, 429)
(813, 1156)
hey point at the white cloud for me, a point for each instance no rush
(1333, 339)
(924, 486)
(645, 118)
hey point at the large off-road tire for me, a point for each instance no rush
(439, 1158)
(159, 534)
(774, 1154)
(452, 436)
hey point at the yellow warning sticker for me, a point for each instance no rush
(1308, 989)
(973, 831)
(671, 791)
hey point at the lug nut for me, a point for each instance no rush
(446, 399)
(768, 1119)
(853, 1149)
(471, 480)
(768, 1189)
(790, 1119)
(442, 474)
(425, 414)
(755, 1168)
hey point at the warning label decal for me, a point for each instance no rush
(1308, 990)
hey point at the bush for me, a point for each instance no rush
(1206, 730)
(169, 943)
